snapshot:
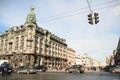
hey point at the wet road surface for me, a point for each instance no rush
(62, 76)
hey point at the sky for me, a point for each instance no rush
(68, 19)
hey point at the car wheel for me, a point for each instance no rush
(28, 72)
(67, 71)
(113, 71)
(81, 71)
(18, 72)
(44, 70)
(9, 72)
(1, 73)
(78, 71)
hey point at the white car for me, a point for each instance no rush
(26, 69)
(115, 69)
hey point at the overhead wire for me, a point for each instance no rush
(49, 20)
(89, 6)
(76, 12)
(64, 13)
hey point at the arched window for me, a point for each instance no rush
(1, 46)
(30, 33)
(22, 42)
(28, 57)
(16, 43)
(5, 45)
(20, 58)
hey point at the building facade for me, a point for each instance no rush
(79, 59)
(70, 56)
(88, 62)
(117, 54)
(30, 44)
(107, 60)
(84, 60)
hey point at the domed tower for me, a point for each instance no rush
(31, 18)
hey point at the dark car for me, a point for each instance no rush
(5, 68)
(75, 68)
(107, 68)
(42, 68)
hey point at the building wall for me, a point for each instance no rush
(70, 56)
(79, 59)
(117, 54)
(29, 44)
(114, 58)
(96, 63)
(84, 60)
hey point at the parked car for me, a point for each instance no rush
(25, 69)
(107, 68)
(115, 69)
(6, 68)
(75, 68)
(42, 68)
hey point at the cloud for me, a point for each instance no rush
(116, 11)
(97, 49)
(92, 44)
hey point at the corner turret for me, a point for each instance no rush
(31, 18)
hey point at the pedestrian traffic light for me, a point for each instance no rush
(90, 18)
(96, 18)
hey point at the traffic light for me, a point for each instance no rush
(90, 18)
(96, 18)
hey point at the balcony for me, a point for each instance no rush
(30, 45)
(30, 39)
(10, 42)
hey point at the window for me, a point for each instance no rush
(22, 42)
(16, 43)
(29, 44)
(28, 49)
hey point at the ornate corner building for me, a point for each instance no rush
(30, 44)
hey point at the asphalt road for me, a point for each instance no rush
(62, 76)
